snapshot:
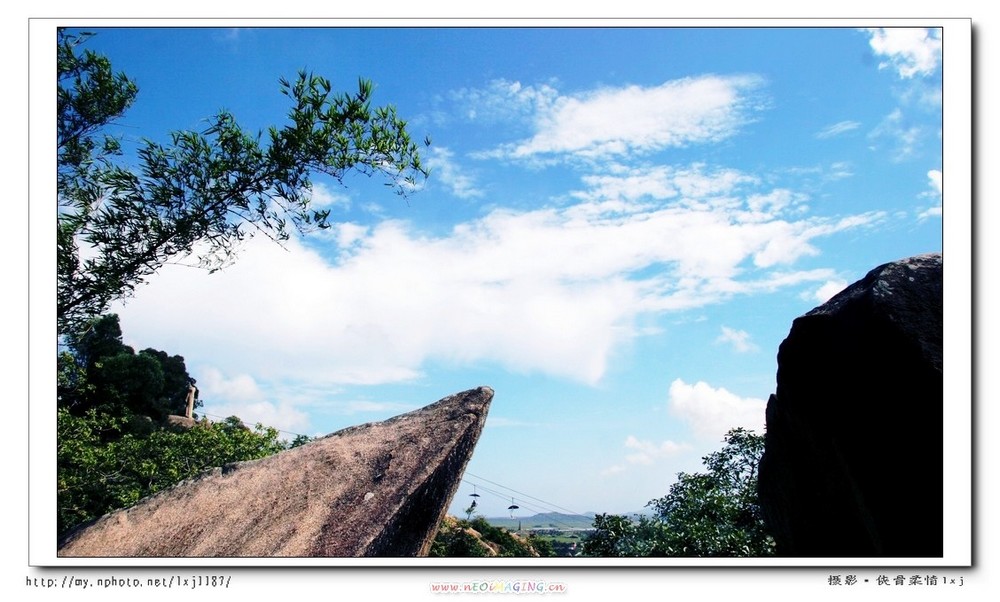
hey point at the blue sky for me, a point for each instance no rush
(619, 228)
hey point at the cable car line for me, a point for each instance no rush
(549, 504)
(521, 504)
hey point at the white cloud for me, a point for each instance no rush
(240, 395)
(934, 181)
(444, 169)
(712, 412)
(930, 212)
(910, 51)
(828, 290)
(838, 128)
(213, 384)
(325, 197)
(613, 470)
(554, 290)
(839, 170)
(739, 339)
(282, 416)
(634, 119)
(774, 202)
(647, 452)
(348, 234)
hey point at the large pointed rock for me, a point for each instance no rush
(853, 462)
(379, 489)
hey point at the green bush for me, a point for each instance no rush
(104, 463)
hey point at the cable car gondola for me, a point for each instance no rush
(512, 507)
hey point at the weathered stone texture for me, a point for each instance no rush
(853, 464)
(379, 489)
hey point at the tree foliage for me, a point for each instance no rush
(120, 218)
(98, 370)
(474, 538)
(300, 440)
(717, 513)
(105, 462)
(710, 514)
(114, 446)
(202, 194)
(616, 535)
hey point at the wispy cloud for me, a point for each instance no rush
(931, 212)
(620, 121)
(230, 35)
(738, 339)
(695, 183)
(504, 100)
(814, 177)
(445, 170)
(914, 54)
(904, 135)
(839, 170)
(910, 51)
(838, 129)
(613, 470)
(641, 452)
(647, 452)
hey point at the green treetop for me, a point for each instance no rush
(203, 193)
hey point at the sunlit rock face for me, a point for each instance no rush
(853, 463)
(378, 489)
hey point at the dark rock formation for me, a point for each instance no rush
(853, 462)
(379, 489)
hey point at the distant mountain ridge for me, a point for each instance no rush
(545, 520)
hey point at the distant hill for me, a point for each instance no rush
(546, 520)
